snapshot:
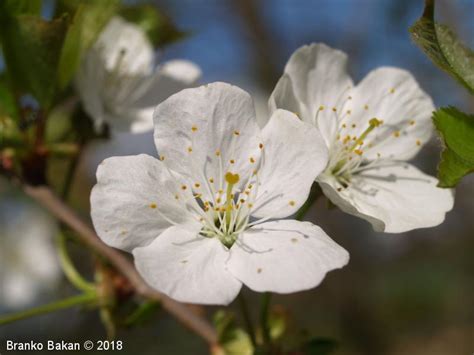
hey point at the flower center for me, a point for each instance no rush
(225, 218)
(346, 154)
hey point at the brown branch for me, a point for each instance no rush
(64, 213)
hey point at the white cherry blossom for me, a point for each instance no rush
(371, 130)
(203, 219)
(119, 83)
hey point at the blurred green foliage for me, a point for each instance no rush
(456, 128)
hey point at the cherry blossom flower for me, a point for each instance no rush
(119, 83)
(371, 130)
(206, 217)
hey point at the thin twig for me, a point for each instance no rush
(64, 213)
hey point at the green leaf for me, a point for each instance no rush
(457, 131)
(320, 346)
(18, 7)
(159, 28)
(443, 47)
(31, 47)
(88, 20)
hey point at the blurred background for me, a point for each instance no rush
(411, 293)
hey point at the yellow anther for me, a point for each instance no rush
(366, 107)
(162, 157)
(321, 108)
(338, 137)
(218, 200)
(190, 149)
(334, 109)
(348, 112)
(220, 191)
(184, 187)
(294, 240)
(218, 152)
(418, 142)
(252, 160)
(396, 134)
(392, 90)
(292, 203)
(197, 185)
(194, 128)
(153, 205)
(250, 186)
(349, 97)
(358, 151)
(232, 161)
(242, 200)
(375, 122)
(346, 139)
(353, 125)
(412, 122)
(250, 205)
(260, 145)
(237, 133)
(232, 178)
(211, 180)
(344, 125)
(176, 196)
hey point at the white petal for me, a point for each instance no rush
(394, 198)
(89, 82)
(393, 96)
(192, 125)
(319, 78)
(130, 119)
(285, 256)
(188, 267)
(134, 201)
(294, 155)
(283, 97)
(170, 78)
(125, 44)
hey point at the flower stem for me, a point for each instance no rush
(68, 267)
(247, 320)
(264, 312)
(85, 298)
